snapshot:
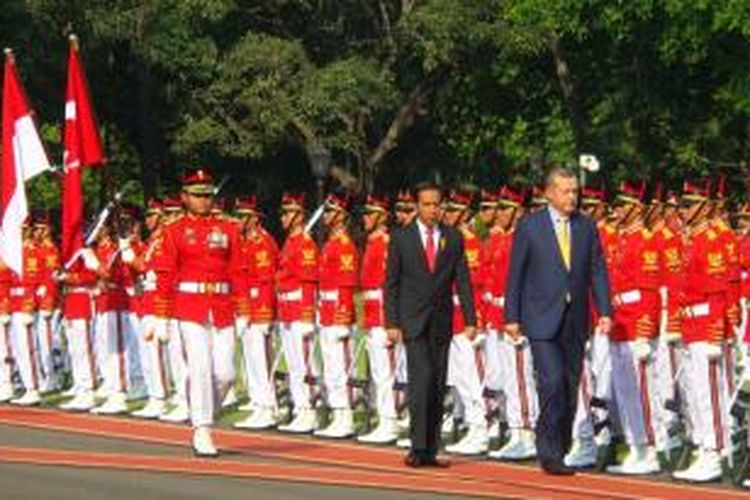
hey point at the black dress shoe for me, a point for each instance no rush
(414, 460)
(556, 468)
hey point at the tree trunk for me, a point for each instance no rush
(568, 87)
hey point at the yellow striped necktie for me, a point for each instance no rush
(563, 239)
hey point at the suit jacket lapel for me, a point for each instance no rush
(551, 233)
(417, 242)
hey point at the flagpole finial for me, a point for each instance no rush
(73, 39)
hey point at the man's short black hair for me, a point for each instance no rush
(425, 186)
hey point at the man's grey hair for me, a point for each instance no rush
(557, 172)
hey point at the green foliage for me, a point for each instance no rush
(393, 87)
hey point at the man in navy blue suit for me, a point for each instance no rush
(556, 267)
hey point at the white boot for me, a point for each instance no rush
(636, 463)
(404, 443)
(230, 399)
(203, 444)
(262, 418)
(404, 422)
(582, 454)
(475, 442)
(446, 429)
(342, 425)
(304, 422)
(178, 414)
(520, 446)
(386, 432)
(29, 398)
(153, 409)
(114, 405)
(83, 401)
(705, 469)
(6, 394)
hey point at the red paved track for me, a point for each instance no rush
(324, 462)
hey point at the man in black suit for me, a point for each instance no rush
(556, 266)
(425, 261)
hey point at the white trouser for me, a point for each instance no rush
(153, 353)
(210, 365)
(117, 361)
(522, 405)
(666, 367)
(44, 341)
(134, 345)
(382, 359)
(257, 352)
(334, 345)
(6, 358)
(177, 364)
(635, 393)
(99, 328)
(464, 377)
(24, 349)
(596, 381)
(709, 398)
(81, 349)
(297, 342)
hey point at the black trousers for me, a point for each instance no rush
(558, 363)
(427, 367)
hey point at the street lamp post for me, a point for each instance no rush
(320, 164)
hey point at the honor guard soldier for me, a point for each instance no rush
(405, 207)
(703, 293)
(464, 365)
(179, 411)
(47, 296)
(201, 280)
(296, 285)
(23, 308)
(261, 254)
(594, 391)
(338, 275)
(521, 401)
(635, 277)
(381, 353)
(154, 352)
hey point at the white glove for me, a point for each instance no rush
(641, 349)
(4, 319)
(26, 319)
(41, 291)
(240, 325)
(479, 340)
(162, 329)
(90, 260)
(303, 328)
(45, 314)
(123, 244)
(147, 328)
(517, 342)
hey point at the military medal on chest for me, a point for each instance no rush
(217, 238)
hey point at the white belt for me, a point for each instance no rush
(130, 291)
(149, 287)
(290, 296)
(330, 296)
(17, 291)
(254, 293)
(372, 294)
(78, 289)
(629, 297)
(697, 310)
(193, 287)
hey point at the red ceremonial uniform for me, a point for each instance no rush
(744, 260)
(297, 278)
(148, 262)
(473, 248)
(201, 277)
(704, 286)
(670, 248)
(338, 279)
(635, 277)
(372, 278)
(112, 295)
(23, 289)
(261, 253)
(732, 299)
(50, 263)
(6, 278)
(494, 280)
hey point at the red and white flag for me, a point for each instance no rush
(23, 158)
(83, 146)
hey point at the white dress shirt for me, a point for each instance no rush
(423, 235)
